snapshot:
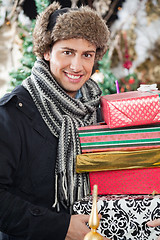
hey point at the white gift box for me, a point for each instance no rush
(124, 217)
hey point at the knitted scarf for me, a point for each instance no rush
(63, 115)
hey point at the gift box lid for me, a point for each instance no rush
(130, 95)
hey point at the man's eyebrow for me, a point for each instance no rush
(90, 51)
(67, 48)
(73, 50)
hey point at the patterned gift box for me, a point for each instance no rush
(124, 217)
(98, 138)
(131, 108)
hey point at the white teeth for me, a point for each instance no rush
(72, 76)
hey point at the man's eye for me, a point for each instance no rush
(67, 52)
(87, 55)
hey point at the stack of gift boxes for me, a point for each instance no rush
(122, 156)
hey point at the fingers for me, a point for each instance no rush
(154, 223)
(77, 228)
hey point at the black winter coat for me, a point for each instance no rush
(27, 164)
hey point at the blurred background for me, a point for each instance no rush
(133, 57)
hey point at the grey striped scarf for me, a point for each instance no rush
(63, 115)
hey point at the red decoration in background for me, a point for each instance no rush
(131, 80)
(122, 89)
(127, 63)
(127, 83)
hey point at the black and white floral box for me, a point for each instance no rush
(124, 217)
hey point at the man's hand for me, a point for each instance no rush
(154, 223)
(78, 228)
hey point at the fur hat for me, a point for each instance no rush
(60, 24)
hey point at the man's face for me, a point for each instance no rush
(71, 62)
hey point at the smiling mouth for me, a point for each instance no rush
(74, 77)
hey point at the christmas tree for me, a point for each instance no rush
(104, 77)
(28, 58)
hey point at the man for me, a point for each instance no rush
(38, 128)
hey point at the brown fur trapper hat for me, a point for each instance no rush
(60, 24)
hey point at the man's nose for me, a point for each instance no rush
(76, 63)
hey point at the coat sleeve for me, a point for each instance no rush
(18, 217)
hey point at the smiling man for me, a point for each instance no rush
(71, 62)
(38, 128)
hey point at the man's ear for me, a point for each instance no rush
(47, 55)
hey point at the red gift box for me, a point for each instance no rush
(133, 181)
(131, 108)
